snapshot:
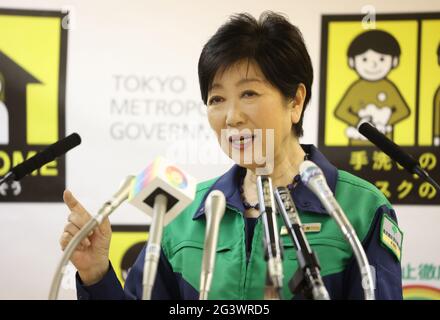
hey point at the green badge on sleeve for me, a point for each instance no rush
(391, 236)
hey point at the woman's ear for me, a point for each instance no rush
(297, 103)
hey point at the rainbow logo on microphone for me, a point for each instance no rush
(159, 167)
(176, 177)
(162, 177)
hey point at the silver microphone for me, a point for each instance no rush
(313, 177)
(108, 207)
(162, 191)
(271, 238)
(215, 206)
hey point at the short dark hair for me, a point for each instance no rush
(272, 42)
(377, 40)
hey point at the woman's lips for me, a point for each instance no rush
(241, 142)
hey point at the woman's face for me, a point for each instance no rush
(242, 101)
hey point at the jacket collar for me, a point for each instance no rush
(304, 199)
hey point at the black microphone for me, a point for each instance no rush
(395, 152)
(49, 154)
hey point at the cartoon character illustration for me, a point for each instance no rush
(373, 97)
(4, 115)
(436, 139)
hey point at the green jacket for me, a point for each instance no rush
(237, 277)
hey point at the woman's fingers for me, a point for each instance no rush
(66, 237)
(78, 220)
(73, 204)
(70, 200)
(71, 228)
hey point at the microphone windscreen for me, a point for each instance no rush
(162, 177)
(49, 154)
(215, 206)
(308, 170)
(61, 147)
(388, 146)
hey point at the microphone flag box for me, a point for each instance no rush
(162, 177)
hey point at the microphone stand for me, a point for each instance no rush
(215, 206)
(152, 251)
(271, 292)
(272, 247)
(307, 278)
(314, 179)
(8, 177)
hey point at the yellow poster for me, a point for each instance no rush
(387, 74)
(126, 244)
(33, 53)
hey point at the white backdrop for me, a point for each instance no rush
(114, 45)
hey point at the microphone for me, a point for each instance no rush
(161, 191)
(314, 179)
(159, 178)
(215, 206)
(273, 256)
(109, 206)
(49, 154)
(395, 152)
(307, 278)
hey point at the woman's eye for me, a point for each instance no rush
(215, 100)
(249, 94)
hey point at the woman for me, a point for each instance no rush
(254, 75)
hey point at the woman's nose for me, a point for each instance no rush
(234, 116)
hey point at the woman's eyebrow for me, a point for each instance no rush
(238, 83)
(246, 80)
